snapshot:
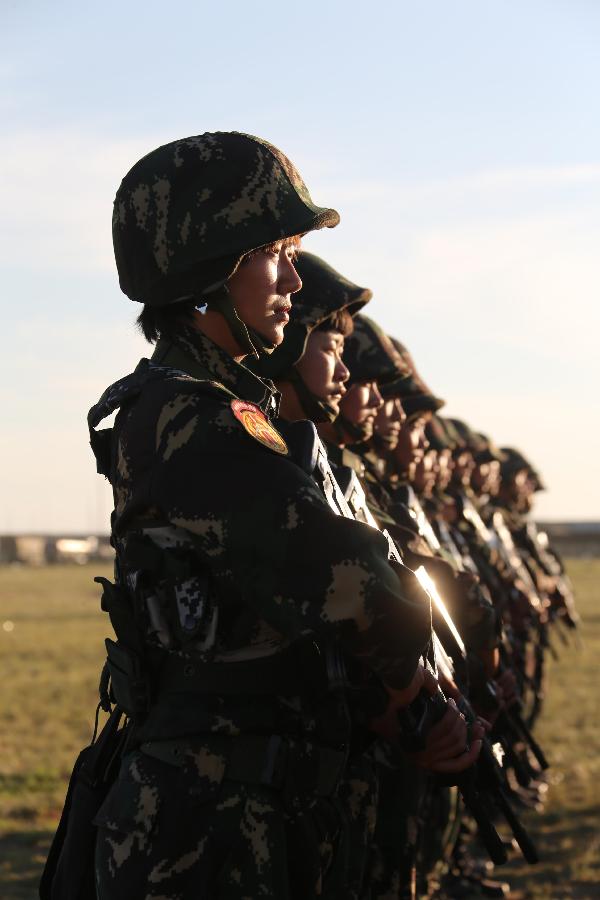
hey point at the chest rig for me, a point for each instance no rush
(164, 612)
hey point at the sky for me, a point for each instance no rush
(459, 141)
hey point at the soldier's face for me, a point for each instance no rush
(388, 422)
(526, 491)
(261, 290)
(443, 469)
(425, 477)
(412, 444)
(515, 491)
(463, 467)
(360, 404)
(486, 478)
(322, 369)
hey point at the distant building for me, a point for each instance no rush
(39, 550)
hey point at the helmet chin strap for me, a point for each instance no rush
(346, 429)
(249, 340)
(383, 444)
(317, 410)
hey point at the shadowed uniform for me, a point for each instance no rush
(234, 579)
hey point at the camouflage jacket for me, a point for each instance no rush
(231, 545)
(391, 505)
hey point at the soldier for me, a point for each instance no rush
(309, 372)
(519, 482)
(320, 323)
(231, 570)
(371, 357)
(471, 610)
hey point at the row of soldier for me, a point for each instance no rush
(331, 609)
(457, 507)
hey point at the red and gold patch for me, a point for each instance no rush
(258, 426)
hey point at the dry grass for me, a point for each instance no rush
(568, 832)
(49, 666)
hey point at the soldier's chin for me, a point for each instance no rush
(273, 332)
(389, 441)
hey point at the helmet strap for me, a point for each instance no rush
(249, 340)
(317, 410)
(346, 429)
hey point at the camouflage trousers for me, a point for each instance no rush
(173, 833)
(417, 821)
(395, 844)
(358, 795)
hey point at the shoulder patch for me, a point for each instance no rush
(258, 426)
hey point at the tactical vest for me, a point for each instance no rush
(140, 675)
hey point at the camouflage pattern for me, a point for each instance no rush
(402, 790)
(324, 292)
(417, 405)
(188, 831)
(414, 394)
(213, 531)
(466, 437)
(252, 521)
(485, 450)
(406, 841)
(419, 384)
(416, 822)
(513, 461)
(452, 436)
(358, 795)
(437, 435)
(371, 356)
(186, 213)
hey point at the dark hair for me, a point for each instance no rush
(158, 321)
(285, 242)
(340, 320)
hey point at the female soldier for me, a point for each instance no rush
(230, 567)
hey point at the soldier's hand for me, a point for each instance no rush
(387, 725)
(446, 745)
(449, 687)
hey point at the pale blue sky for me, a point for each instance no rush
(460, 142)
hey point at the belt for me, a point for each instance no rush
(280, 673)
(295, 768)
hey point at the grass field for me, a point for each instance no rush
(51, 650)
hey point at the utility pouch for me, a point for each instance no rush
(69, 870)
(130, 686)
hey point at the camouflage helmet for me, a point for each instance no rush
(416, 397)
(480, 446)
(437, 434)
(323, 293)
(485, 450)
(514, 462)
(186, 214)
(465, 436)
(452, 435)
(371, 356)
(414, 383)
(418, 404)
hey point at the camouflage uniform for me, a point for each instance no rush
(325, 292)
(417, 820)
(233, 575)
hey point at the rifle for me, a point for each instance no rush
(417, 719)
(563, 598)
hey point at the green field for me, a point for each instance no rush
(49, 665)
